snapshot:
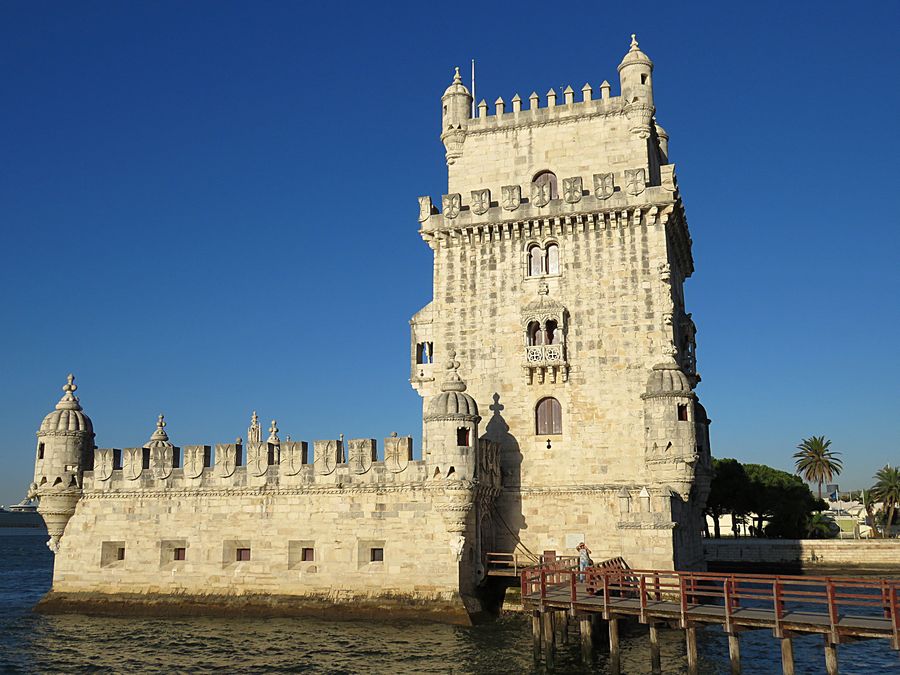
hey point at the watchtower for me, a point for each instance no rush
(561, 250)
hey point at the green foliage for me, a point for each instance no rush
(822, 526)
(770, 494)
(816, 462)
(887, 491)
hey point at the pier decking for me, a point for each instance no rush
(841, 609)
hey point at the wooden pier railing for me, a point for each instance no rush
(840, 609)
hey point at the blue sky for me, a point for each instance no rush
(210, 207)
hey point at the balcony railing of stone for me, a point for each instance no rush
(545, 355)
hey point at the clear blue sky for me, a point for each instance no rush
(210, 207)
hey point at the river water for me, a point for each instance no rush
(32, 643)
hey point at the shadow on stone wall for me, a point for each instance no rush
(509, 519)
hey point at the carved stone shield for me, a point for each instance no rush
(397, 453)
(424, 208)
(257, 458)
(103, 464)
(161, 461)
(360, 454)
(540, 193)
(452, 205)
(481, 201)
(635, 181)
(293, 457)
(132, 463)
(193, 460)
(511, 197)
(604, 185)
(572, 189)
(328, 454)
(226, 459)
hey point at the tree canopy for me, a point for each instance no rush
(816, 462)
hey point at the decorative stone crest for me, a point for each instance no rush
(103, 464)
(540, 193)
(572, 188)
(257, 458)
(132, 463)
(424, 208)
(398, 452)
(193, 460)
(635, 181)
(226, 459)
(604, 185)
(161, 461)
(481, 201)
(293, 457)
(665, 272)
(328, 454)
(452, 204)
(511, 197)
(360, 454)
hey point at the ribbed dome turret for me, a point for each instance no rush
(68, 415)
(666, 378)
(635, 55)
(457, 86)
(159, 439)
(452, 402)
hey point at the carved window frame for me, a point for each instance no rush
(544, 246)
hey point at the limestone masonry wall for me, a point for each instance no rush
(827, 552)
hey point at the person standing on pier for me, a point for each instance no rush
(584, 559)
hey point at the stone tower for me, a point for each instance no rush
(560, 253)
(65, 450)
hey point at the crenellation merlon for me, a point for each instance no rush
(551, 113)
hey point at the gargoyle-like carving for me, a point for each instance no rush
(635, 181)
(604, 185)
(452, 205)
(540, 193)
(572, 189)
(511, 197)
(424, 208)
(481, 201)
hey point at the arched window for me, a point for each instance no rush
(535, 260)
(552, 265)
(535, 335)
(548, 417)
(552, 333)
(545, 177)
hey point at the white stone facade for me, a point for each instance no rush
(559, 259)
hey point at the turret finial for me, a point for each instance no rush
(70, 386)
(160, 421)
(273, 433)
(159, 437)
(453, 381)
(634, 43)
(69, 401)
(457, 79)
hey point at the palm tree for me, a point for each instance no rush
(815, 462)
(887, 491)
(868, 503)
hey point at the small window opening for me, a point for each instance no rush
(451, 471)
(437, 471)
(120, 553)
(424, 353)
(57, 481)
(445, 110)
(535, 261)
(207, 457)
(40, 451)
(239, 456)
(308, 555)
(145, 458)
(271, 458)
(176, 458)
(552, 259)
(242, 554)
(643, 78)
(179, 554)
(117, 459)
(376, 555)
(535, 334)
(552, 333)
(548, 417)
(462, 436)
(682, 412)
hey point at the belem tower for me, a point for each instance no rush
(556, 364)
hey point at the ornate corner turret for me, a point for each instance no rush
(456, 111)
(65, 448)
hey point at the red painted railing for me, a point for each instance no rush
(830, 597)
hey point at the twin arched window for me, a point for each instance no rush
(543, 260)
(548, 417)
(548, 334)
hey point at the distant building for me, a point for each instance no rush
(560, 255)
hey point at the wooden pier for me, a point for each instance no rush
(840, 609)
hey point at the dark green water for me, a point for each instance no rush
(31, 643)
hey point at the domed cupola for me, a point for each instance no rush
(65, 449)
(456, 111)
(667, 379)
(161, 450)
(451, 428)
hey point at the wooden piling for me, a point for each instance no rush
(655, 664)
(536, 636)
(614, 664)
(787, 656)
(734, 653)
(586, 625)
(831, 662)
(548, 631)
(690, 635)
(564, 627)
